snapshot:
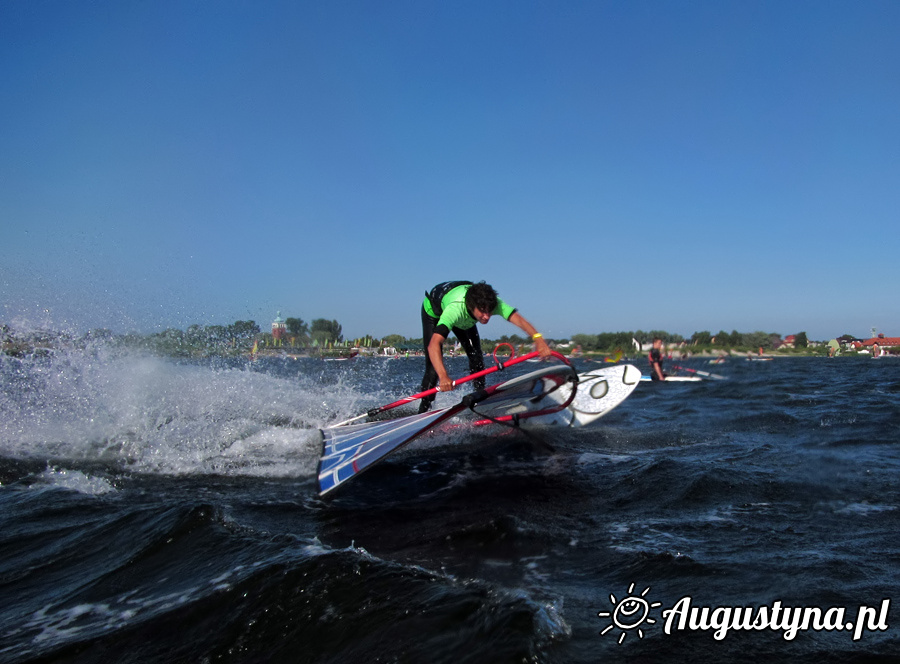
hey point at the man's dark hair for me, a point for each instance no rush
(483, 296)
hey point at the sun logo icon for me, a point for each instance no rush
(632, 612)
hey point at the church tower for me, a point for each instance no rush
(278, 329)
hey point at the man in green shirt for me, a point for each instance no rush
(456, 306)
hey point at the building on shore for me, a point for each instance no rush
(880, 345)
(279, 327)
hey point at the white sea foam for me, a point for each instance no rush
(592, 458)
(74, 480)
(152, 415)
(863, 509)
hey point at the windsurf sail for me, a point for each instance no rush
(349, 450)
(615, 358)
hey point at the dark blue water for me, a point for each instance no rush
(153, 511)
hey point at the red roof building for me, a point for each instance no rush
(788, 341)
(882, 341)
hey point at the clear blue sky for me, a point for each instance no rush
(607, 166)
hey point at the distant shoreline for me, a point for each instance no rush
(47, 343)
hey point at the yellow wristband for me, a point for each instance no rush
(537, 335)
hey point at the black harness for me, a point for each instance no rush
(438, 292)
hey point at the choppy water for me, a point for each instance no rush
(153, 511)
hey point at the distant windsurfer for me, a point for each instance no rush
(457, 306)
(655, 356)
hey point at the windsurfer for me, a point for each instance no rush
(457, 306)
(655, 357)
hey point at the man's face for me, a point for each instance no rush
(480, 316)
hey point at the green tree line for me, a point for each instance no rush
(240, 336)
(704, 340)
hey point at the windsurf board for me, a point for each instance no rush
(598, 392)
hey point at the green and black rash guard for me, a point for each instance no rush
(447, 303)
